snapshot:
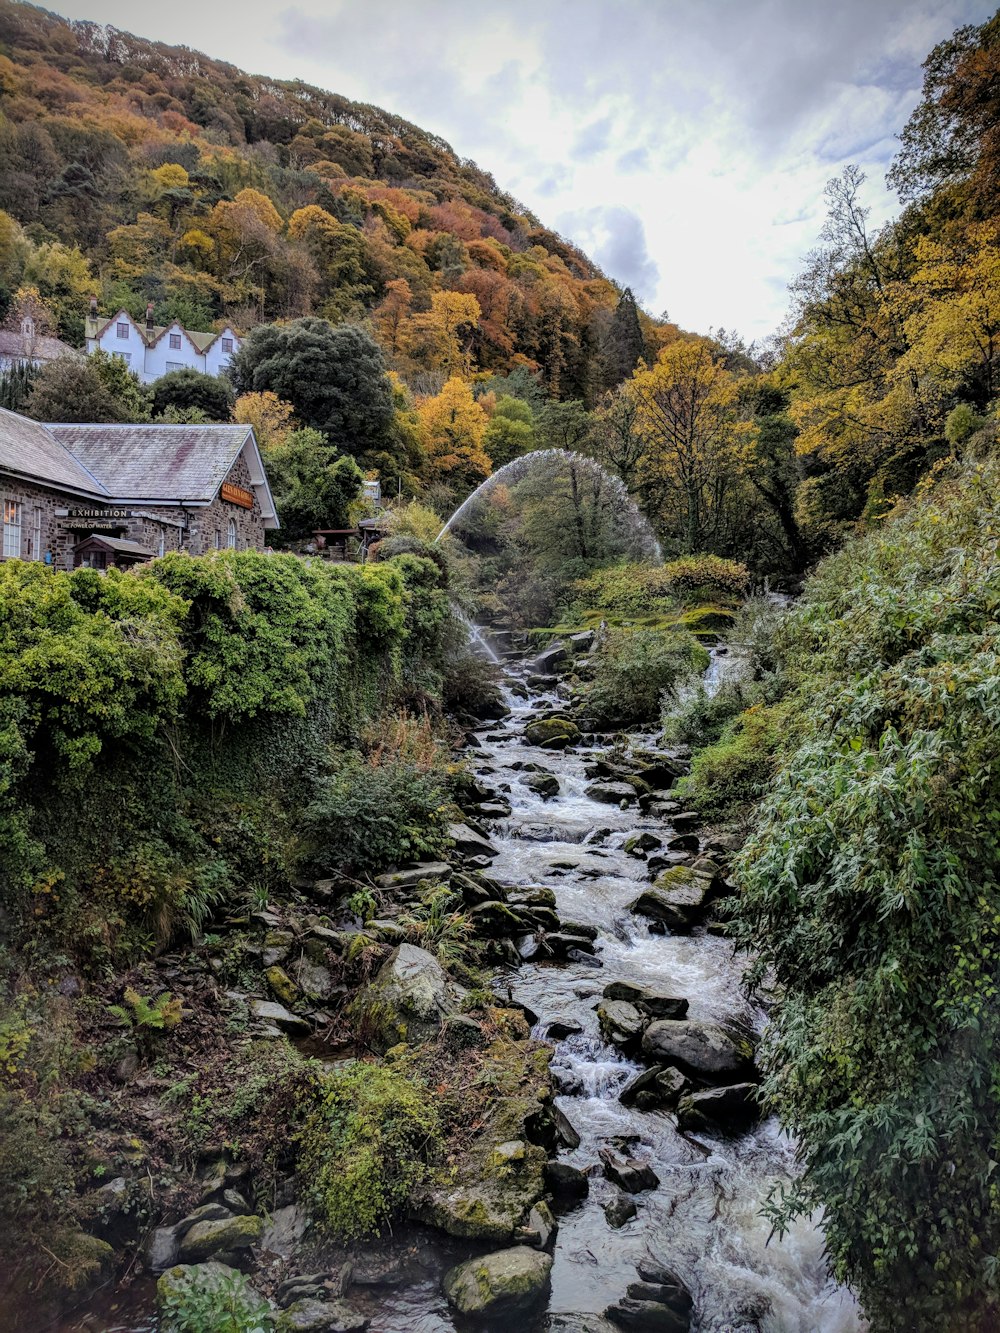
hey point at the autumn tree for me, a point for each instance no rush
(452, 427)
(439, 338)
(271, 417)
(510, 431)
(689, 420)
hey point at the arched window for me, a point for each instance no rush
(231, 538)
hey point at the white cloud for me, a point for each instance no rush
(686, 143)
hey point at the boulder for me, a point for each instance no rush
(681, 898)
(712, 1052)
(416, 991)
(640, 843)
(542, 784)
(621, 1024)
(268, 1011)
(283, 988)
(686, 821)
(654, 1089)
(564, 1131)
(409, 876)
(500, 1285)
(309, 1315)
(470, 843)
(493, 921)
(159, 1251)
(683, 842)
(619, 1210)
(560, 1030)
(566, 1182)
(628, 1173)
(734, 1107)
(545, 663)
(553, 733)
(225, 1235)
(662, 775)
(647, 1001)
(611, 793)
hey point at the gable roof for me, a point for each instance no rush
(38, 348)
(29, 449)
(156, 462)
(95, 327)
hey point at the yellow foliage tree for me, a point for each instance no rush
(688, 418)
(452, 426)
(271, 417)
(438, 339)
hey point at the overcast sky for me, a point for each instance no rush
(684, 144)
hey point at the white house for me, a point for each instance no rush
(152, 350)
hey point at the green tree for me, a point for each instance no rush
(94, 388)
(188, 388)
(510, 432)
(313, 486)
(623, 345)
(334, 377)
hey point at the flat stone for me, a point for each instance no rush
(647, 1001)
(647, 1317)
(559, 1030)
(269, 1011)
(734, 1107)
(310, 1315)
(500, 1285)
(611, 793)
(709, 1051)
(409, 876)
(470, 843)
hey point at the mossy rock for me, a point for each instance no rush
(282, 986)
(553, 733)
(503, 1284)
(212, 1237)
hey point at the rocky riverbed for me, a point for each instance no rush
(618, 1178)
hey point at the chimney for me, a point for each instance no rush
(93, 307)
(149, 317)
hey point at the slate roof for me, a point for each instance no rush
(29, 449)
(152, 333)
(39, 348)
(122, 544)
(156, 462)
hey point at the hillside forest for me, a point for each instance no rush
(212, 770)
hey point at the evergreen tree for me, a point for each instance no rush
(623, 345)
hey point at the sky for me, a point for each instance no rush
(683, 144)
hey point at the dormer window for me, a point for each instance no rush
(175, 342)
(122, 330)
(227, 344)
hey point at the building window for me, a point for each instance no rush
(36, 534)
(218, 540)
(227, 344)
(163, 542)
(123, 331)
(126, 357)
(231, 535)
(175, 342)
(12, 529)
(174, 365)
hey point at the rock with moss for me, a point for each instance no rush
(681, 898)
(715, 1053)
(283, 988)
(224, 1234)
(310, 1315)
(414, 994)
(500, 1285)
(499, 1189)
(621, 1024)
(552, 733)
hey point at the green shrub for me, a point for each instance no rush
(206, 1303)
(367, 1146)
(737, 768)
(643, 590)
(633, 669)
(370, 815)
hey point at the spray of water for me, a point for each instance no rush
(645, 545)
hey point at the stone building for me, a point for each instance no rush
(26, 336)
(141, 490)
